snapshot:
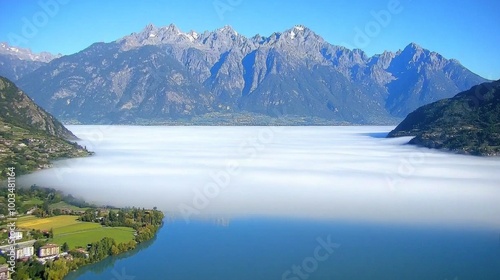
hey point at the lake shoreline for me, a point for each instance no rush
(64, 233)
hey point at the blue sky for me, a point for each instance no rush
(466, 30)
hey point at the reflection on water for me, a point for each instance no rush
(267, 249)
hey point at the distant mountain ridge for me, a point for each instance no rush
(27, 54)
(468, 123)
(166, 74)
(16, 62)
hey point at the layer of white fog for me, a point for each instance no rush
(337, 173)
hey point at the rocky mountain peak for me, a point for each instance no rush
(297, 31)
(414, 53)
(301, 32)
(172, 29)
(414, 46)
(224, 34)
(300, 27)
(149, 28)
(152, 35)
(227, 29)
(298, 41)
(224, 39)
(193, 35)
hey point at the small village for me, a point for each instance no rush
(54, 234)
(25, 250)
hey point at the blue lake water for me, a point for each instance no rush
(267, 248)
(256, 202)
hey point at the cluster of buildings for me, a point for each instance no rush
(26, 250)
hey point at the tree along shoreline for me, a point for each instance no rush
(39, 203)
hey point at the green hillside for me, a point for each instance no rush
(468, 123)
(30, 137)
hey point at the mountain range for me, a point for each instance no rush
(163, 74)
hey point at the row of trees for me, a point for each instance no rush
(127, 217)
(145, 222)
(108, 247)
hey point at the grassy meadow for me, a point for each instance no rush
(68, 229)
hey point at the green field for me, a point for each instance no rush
(76, 228)
(48, 223)
(75, 233)
(82, 238)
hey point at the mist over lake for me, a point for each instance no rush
(255, 202)
(350, 174)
